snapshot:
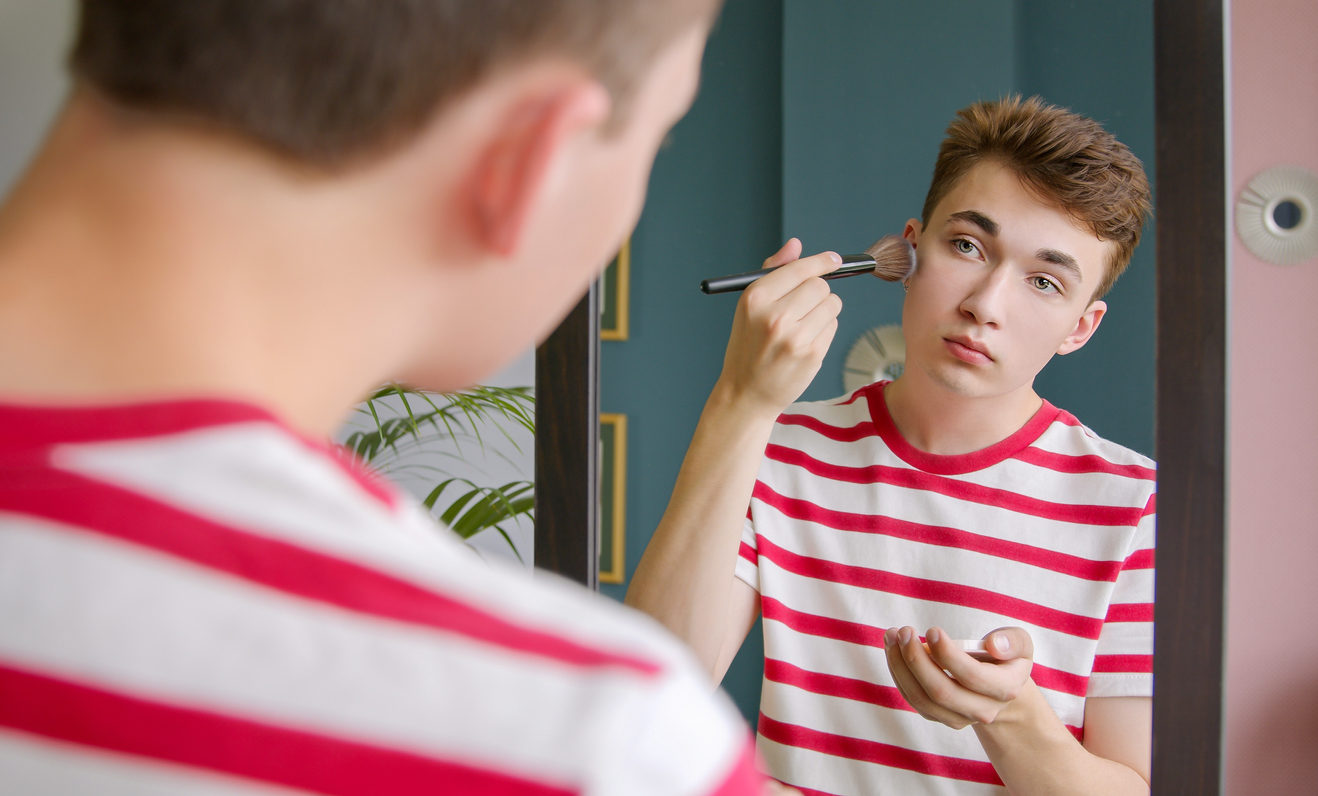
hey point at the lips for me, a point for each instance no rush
(968, 350)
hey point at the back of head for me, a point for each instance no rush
(1068, 159)
(327, 82)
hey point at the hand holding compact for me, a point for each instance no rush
(783, 326)
(945, 684)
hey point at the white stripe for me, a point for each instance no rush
(1096, 542)
(957, 567)
(836, 775)
(256, 478)
(854, 719)
(34, 766)
(302, 664)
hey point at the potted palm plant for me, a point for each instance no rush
(433, 443)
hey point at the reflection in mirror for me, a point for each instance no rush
(831, 138)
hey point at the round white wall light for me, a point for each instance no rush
(1275, 215)
(879, 353)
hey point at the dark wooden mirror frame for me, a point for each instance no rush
(1190, 422)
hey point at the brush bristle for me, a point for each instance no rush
(894, 258)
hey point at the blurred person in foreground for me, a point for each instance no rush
(247, 216)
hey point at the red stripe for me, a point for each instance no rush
(1089, 463)
(822, 626)
(745, 778)
(747, 552)
(862, 430)
(813, 792)
(29, 426)
(1047, 677)
(1062, 682)
(39, 428)
(1140, 559)
(835, 685)
(1152, 507)
(134, 518)
(1085, 514)
(931, 590)
(887, 696)
(1129, 612)
(1124, 664)
(939, 536)
(880, 753)
(80, 714)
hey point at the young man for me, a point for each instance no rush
(953, 501)
(248, 215)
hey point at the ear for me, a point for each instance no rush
(912, 232)
(513, 170)
(1084, 328)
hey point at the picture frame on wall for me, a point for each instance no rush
(612, 496)
(615, 289)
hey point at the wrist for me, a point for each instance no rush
(1028, 715)
(732, 403)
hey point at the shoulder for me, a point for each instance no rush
(1067, 435)
(284, 587)
(844, 418)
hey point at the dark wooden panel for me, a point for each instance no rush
(566, 446)
(1191, 390)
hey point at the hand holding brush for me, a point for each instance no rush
(890, 258)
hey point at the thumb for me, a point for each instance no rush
(1008, 643)
(791, 250)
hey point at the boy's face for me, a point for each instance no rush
(1004, 281)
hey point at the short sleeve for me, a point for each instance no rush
(1123, 663)
(748, 557)
(679, 735)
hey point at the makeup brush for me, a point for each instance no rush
(890, 258)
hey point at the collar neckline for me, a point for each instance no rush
(956, 464)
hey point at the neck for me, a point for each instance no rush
(940, 421)
(141, 263)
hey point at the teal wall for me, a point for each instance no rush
(822, 120)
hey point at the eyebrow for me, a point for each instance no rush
(990, 227)
(978, 219)
(1062, 260)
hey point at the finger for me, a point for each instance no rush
(785, 278)
(941, 688)
(999, 681)
(791, 250)
(910, 686)
(806, 298)
(1008, 643)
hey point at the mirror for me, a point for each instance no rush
(739, 177)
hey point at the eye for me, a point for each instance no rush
(964, 246)
(1044, 284)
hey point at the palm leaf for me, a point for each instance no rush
(408, 422)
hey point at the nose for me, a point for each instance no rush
(985, 303)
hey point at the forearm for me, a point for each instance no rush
(1034, 753)
(685, 576)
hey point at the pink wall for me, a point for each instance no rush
(1271, 699)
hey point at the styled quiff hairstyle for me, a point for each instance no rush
(328, 81)
(1065, 158)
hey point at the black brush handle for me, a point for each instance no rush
(852, 264)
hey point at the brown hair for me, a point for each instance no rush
(325, 81)
(1067, 158)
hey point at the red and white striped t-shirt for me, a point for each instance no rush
(194, 599)
(851, 530)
